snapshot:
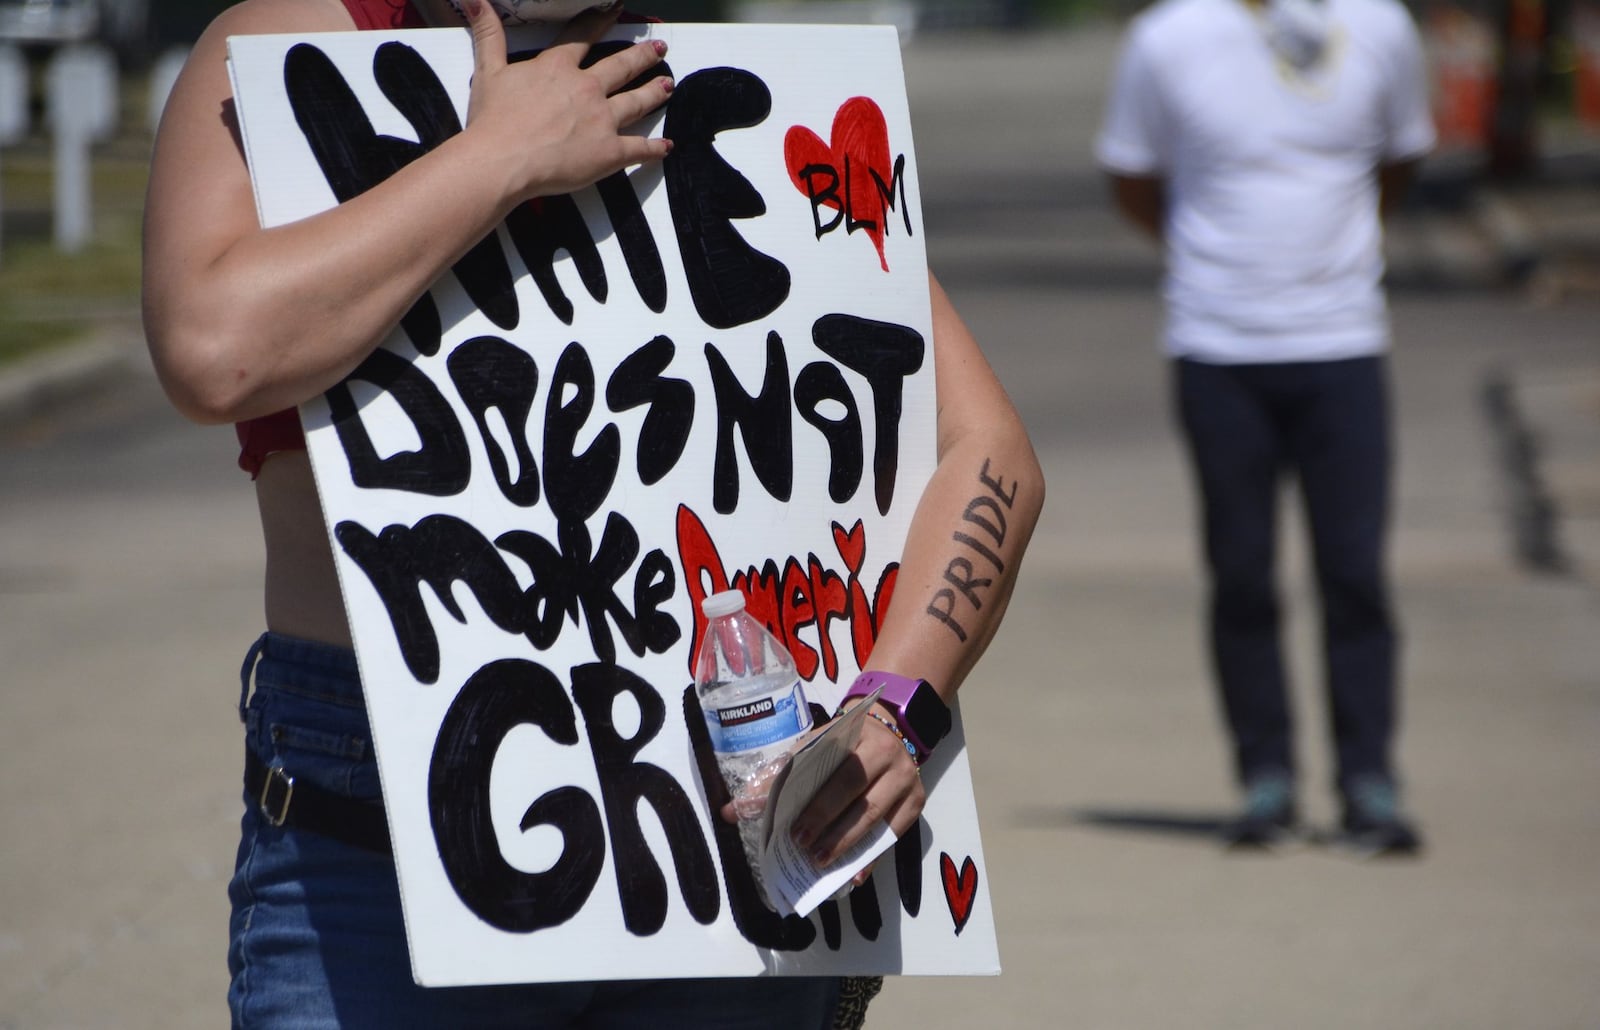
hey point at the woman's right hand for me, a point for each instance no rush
(558, 124)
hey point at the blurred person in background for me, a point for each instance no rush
(1259, 142)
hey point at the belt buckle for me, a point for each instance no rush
(276, 793)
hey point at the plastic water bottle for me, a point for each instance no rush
(751, 695)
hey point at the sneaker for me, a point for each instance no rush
(1373, 826)
(1269, 820)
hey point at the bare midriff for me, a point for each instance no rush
(302, 588)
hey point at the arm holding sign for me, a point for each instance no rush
(956, 577)
(245, 321)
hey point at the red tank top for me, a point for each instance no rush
(281, 431)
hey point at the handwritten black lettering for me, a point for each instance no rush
(886, 354)
(441, 467)
(959, 574)
(625, 784)
(852, 224)
(638, 243)
(537, 242)
(986, 512)
(979, 511)
(624, 209)
(354, 157)
(816, 385)
(996, 487)
(823, 197)
(492, 375)
(574, 578)
(442, 550)
(544, 227)
(730, 281)
(763, 423)
(638, 381)
(575, 483)
(886, 193)
(865, 913)
(497, 699)
(821, 184)
(908, 868)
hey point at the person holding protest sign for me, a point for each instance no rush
(246, 323)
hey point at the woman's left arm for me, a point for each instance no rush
(956, 576)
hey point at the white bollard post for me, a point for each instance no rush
(13, 102)
(162, 77)
(81, 95)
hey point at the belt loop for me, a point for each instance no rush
(247, 671)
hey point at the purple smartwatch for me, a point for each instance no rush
(923, 716)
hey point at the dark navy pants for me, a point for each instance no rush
(1325, 426)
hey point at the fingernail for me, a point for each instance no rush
(660, 46)
(802, 836)
(473, 7)
(667, 85)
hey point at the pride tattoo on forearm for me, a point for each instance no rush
(970, 573)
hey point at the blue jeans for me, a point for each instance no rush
(317, 939)
(1326, 425)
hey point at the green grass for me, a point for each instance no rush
(47, 297)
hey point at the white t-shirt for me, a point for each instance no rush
(1273, 242)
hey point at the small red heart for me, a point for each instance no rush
(852, 545)
(960, 889)
(861, 138)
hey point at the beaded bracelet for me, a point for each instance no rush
(911, 749)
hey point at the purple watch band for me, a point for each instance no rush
(918, 709)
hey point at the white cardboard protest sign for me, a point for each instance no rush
(715, 372)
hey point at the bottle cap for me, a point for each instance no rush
(725, 603)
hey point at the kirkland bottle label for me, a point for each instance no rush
(759, 722)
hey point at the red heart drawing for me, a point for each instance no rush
(852, 545)
(960, 889)
(859, 148)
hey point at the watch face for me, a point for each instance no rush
(918, 708)
(928, 715)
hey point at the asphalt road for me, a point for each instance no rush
(129, 575)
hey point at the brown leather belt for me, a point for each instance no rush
(283, 801)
